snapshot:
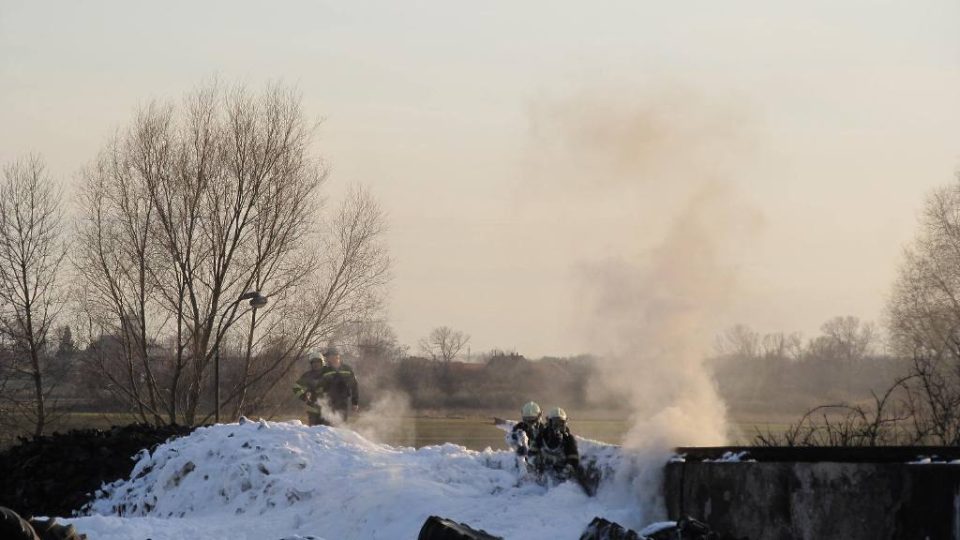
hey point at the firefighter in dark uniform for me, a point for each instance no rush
(307, 388)
(339, 384)
(333, 383)
(555, 449)
(524, 433)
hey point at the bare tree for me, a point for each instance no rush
(739, 340)
(117, 291)
(846, 338)
(188, 210)
(31, 252)
(444, 344)
(779, 345)
(344, 287)
(372, 339)
(924, 317)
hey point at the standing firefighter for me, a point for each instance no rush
(334, 384)
(555, 449)
(307, 388)
(339, 384)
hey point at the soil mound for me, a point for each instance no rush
(54, 475)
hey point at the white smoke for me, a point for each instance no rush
(384, 421)
(651, 306)
(654, 320)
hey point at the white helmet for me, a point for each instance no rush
(530, 409)
(315, 357)
(557, 415)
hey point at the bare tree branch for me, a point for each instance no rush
(444, 343)
(31, 253)
(193, 206)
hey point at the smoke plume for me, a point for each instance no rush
(652, 322)
(654, 296)
(384, 421)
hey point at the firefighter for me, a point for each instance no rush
(524, 433)
(555, 449)
(307, 388)
(338, 384)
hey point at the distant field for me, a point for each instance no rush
(472, 429)
(479, 433)
(476, 431)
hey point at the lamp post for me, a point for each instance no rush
(256, 301)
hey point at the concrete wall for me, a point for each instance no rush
(803, 500)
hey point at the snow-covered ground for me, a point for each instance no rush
(268, 480)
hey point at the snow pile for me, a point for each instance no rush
(266, 480)
(934, 459)
(732, 457)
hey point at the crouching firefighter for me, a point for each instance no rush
(523, 436)
(555, 449)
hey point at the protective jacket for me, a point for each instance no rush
(555, 449)
(531, 430)
(339, 386)
(308, 389)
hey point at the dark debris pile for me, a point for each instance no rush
(54, 475)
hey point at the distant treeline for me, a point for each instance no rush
(756, 375)
(785, 373)
(499, 380)
(758, 386)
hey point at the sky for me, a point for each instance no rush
(519, 147)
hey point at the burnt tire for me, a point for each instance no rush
(14, 527)
(49, 529)
(438, 528)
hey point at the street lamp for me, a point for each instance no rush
(256, 301)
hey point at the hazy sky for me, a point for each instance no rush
(515, 144)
